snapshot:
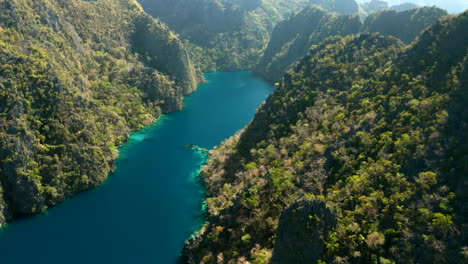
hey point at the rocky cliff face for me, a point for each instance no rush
(76, 77)
(152, 38)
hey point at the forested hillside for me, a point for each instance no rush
(343, 7)
(359, 156)
(374, 6)
(452, 6)
(75, 79)
(405, 25)
(292, 38)
(223, 34)
(379, 5)
(404, 7)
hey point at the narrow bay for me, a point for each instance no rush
(152, 203)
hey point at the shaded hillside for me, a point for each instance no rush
(291, 39)
(75, 79)
(223, 34)
(452, 6)
(343, 7)
(232, 35)
(196, 20)
(359, 155)
(404, 25)
(403, 7)
(375, 6)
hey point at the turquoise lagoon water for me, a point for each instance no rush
(152, 203)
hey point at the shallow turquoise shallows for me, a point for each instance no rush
(152, 203)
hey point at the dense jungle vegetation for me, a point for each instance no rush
(359, 156)
(292, 38)
(229, 35)
(75, 79)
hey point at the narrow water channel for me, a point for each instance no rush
(152, 203)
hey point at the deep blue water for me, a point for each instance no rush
(152, 203)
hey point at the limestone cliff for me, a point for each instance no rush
(76, 77)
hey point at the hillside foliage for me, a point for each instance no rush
(75, 79)
(359, 156)
(223, 35)
(292, 38)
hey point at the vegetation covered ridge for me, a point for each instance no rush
(292, 38)
(224, 35)
(359, 156)
(76, 78)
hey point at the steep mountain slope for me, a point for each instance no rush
(343, 7)
(75, 79)
(378, 5)
(374, 6)
(291, 39)
(452, 6)
(403, 7)
(404, 25)
(358, 157)
(224, 34)
(195, 20)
